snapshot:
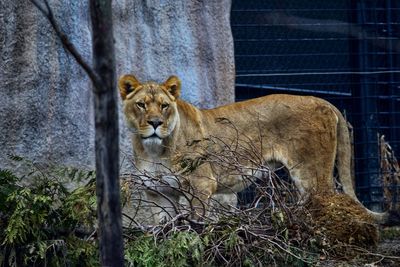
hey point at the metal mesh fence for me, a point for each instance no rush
(345, 51)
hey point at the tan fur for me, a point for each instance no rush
(305, 134)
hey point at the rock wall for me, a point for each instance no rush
(46, 110)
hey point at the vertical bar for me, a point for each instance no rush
(394, 107)
(368, 107)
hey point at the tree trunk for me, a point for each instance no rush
(106, 136)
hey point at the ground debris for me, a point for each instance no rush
(343, 220)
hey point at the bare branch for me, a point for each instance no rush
(67, 44)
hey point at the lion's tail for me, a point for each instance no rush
(343, 156)
(343, 164)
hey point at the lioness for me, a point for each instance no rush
(305, 134)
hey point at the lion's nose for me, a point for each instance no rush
(155, 123)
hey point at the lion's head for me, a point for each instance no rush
(150, 108)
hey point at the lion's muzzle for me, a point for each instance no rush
(155, 123)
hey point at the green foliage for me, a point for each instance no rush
(30, 213)
(42, 221)
(179, 249)
(81, 204)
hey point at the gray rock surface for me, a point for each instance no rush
(46, 110)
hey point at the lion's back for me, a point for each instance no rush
(279, 114)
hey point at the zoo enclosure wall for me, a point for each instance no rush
(345, 51)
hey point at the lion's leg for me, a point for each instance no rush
(310, 179)
(200, 201)
(224, 201)
(163, 206)
(302, 184)
(202, 188)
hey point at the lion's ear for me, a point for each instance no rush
(127, 84)
(173, 85)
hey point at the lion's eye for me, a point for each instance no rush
(164, 106)
(141, 105)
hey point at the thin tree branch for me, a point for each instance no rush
(67, 44)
